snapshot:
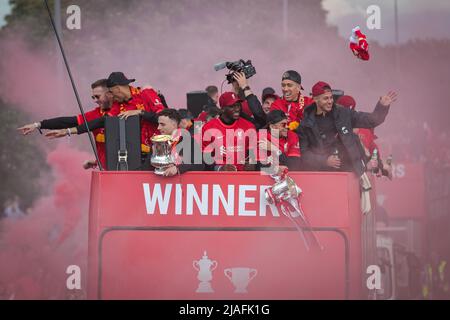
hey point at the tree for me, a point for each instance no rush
(22, 162)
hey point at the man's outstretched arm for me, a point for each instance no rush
(377, 117)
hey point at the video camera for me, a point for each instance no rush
(236, 66)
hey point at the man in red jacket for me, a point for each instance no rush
(128, 101)
(104, 101)
(293, 102)
(132, 101)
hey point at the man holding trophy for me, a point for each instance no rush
(175, 149)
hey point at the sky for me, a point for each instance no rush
(417, 18)
(5, 8)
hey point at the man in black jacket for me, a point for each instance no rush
(327, 141)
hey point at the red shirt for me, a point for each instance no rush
(289, 146)
(229, 144)
(147, 100)
(202, 116)
(292, 109)
(99, 134)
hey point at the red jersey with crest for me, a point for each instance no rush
(292, 109)
(147, 100)
(99, 134)
(289, 145)
(229, 144)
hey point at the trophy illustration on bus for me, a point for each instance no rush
(205, 267)
(240, 278)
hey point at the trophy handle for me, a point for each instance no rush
(213, 265)
(195, 265)
(228, 273)
(255, 272)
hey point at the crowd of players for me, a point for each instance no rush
(236, 130)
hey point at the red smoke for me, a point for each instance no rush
(36, 250)
(28, 79)
(173, 46)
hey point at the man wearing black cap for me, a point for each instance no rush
(128, 101)
(327, 141)
(132, 101)
(281, 142)
(293, 102)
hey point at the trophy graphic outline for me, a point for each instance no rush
(205, 267)
(240, 277)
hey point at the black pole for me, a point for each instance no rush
(73, 85)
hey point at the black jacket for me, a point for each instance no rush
(259, 117)
(194, 162)
(314, 155)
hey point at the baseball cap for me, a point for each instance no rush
(275, 116)
(347, 101)
(320, 88)
(118, 79)
(228, 99)
(293, 76)
(268, 93)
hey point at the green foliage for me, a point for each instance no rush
(28, 16)
(22, 163)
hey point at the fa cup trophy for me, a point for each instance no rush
(161, 157)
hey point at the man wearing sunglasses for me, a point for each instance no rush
(127, 101)
(104, 100)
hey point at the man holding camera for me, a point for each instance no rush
(251, 107)
(226, 140)
(293, 102)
